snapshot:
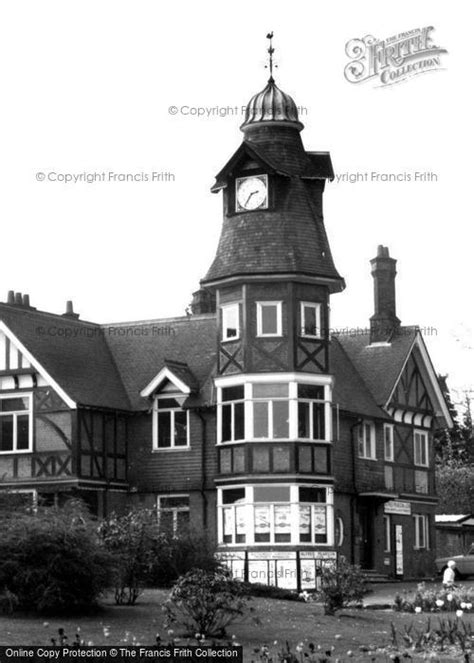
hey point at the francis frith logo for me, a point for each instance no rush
(394, 59)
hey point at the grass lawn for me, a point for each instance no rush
(280, 621)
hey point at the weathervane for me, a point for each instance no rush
(270, 51)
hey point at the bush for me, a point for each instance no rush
(206, 602)
(437, 599)
(342, 585)
(132, 539)
(52, 560)
(270, 591)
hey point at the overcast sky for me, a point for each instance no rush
(87, 87)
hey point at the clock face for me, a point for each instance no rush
(252, 193)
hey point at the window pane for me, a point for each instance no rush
(240, 524)
(270, 390)
(227, 524)
(310, 322)
(164, 429)
(167, 403)
(261, 459)
(303, 420)
(14, 404)
(239, 421)
(280, 419)
(311, 391)
(305, 524)
(230, 321)
(233, 495)
(180, 429)
(226, 423)
(260, 420)
(282, 523)
(269, 320)
(312, 494)
(22, 431)
(262, 523)
(271, 494)
(319, 515)
(6, 433)
(233, 393)
(174, 502)
(318, 421)
(166, 521)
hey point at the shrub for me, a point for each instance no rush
(342, 585)
(175, 555)
(52, 560)
(206, 602)
(132, 539)
(270, 591)
(437, 599)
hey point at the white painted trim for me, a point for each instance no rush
(172, 447)
(165, 374)
(426, 443)
(279, 326)
(373, 444)
(224, 308)
(29, 396)
(392, 438)
(302, 378)
(37, 366)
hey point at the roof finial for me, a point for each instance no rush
(270, 51)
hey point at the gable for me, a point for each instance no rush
(416, 397)
(20, 370)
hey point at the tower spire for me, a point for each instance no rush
(270, 52)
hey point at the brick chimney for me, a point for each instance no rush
(384, 323)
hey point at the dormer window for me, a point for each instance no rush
(170, 424)
(269, 319)
(310, 319)
(230, 322)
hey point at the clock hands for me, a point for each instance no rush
(252, 194)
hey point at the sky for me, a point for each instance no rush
(100, 90)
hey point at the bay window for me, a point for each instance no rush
(273, 514)
(261, 408)
(15, 423)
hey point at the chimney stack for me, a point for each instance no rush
(384, 323)
(70, 311)
(11, 297)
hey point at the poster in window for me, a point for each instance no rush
(262, 519)
(282, 519)
(240, 520)
(227, 513)
(319, 519)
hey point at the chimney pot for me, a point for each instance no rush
(26, 300)
(70, 311)
(18, 299)
(11, 297)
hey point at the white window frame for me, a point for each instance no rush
(317, 308)
(387, 534)
(156, 414)
(278, 306)
(292, 379)
(340, 539)
(388, 428)
(421, 450)
(221, 404)
(422, 531)
(174, 509)
(365, 445)
(226, 311)
(249, 504)
(15, 415)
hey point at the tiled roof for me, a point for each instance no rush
(350, 392)
(73, 352)
(290, 240)
(379, 365)
(142, 349)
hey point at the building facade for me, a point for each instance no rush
(245, 418)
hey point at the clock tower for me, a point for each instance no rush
(272, 278)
